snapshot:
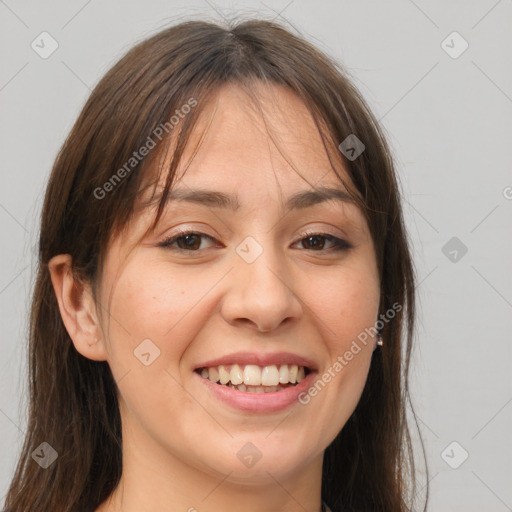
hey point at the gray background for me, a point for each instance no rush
(449, 124)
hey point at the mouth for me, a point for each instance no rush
(251, 378)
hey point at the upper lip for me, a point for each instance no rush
(259, 359)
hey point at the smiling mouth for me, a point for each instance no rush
(252, 378)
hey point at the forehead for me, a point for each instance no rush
(261, 159)
(259, 145)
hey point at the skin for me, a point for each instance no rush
(179, 443)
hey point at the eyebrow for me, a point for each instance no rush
(297, 201)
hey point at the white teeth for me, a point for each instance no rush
(270, 376)
(284, 374)
(213, 374)
(257, 389)
(237, 376)
(293, 373)
(252, 375)
(252, 378)
(224, 375)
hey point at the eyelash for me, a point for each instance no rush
(338, 243)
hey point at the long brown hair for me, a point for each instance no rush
(73, 400)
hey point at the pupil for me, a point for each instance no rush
(316, 243)
(189, 241)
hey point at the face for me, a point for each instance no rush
(265, 286)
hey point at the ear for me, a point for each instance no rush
(77, 309)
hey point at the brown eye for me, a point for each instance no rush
(314, 242)
(187, 241)
(317, 241)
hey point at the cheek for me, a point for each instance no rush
(347, 303)
(148, 305)
(153, 319)
(154, 301)
(346, 306)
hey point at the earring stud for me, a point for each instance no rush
(379, 340)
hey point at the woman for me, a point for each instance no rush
(224, 307)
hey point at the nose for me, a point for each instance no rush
(261, 294)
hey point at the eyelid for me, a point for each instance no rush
(339, 244)
(167, 242)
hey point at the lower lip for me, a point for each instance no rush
(259, 402)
